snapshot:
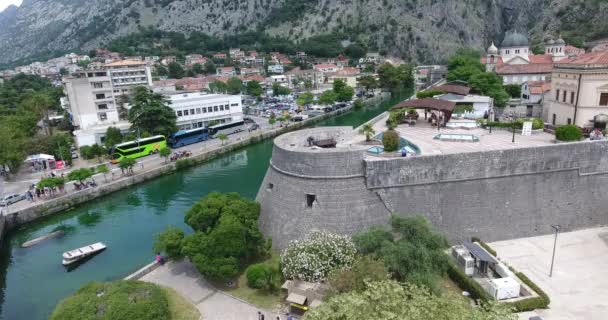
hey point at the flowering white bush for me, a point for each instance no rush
(314, 258)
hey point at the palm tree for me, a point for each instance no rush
(368, 131)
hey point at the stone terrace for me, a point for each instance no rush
(422, 135)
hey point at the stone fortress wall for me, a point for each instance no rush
(495, 195)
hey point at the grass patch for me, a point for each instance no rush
(450, 289)
(179, 307)
(260, 298)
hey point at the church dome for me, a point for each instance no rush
(550, 42)
(560, 41)
(514, 39)
(492, 49)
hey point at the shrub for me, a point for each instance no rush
(465, 282)
(314, 258)
(390, 140)
(428, 93)
(365, 269)
(540, 302)
(86, 152)
(263, 276)
(568, 133)
(127, 300)
(170, 242)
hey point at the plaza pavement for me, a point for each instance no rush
(578, 288)
(213, 304)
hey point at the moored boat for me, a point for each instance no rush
(75, 255)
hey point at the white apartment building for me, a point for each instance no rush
(197, 109)
(579, 90)
(275, 68)
(94, 97)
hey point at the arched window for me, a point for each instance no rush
(492, 59)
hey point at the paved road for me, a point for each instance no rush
(212, 303)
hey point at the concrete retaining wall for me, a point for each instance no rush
(72, 199)
(495, 195)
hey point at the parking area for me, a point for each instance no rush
(578, 288)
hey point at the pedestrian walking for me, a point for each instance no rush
(38, 193)
(260, 315)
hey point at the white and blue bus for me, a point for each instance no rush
(186, 137)
(227, 128)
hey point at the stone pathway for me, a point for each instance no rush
(212, 303)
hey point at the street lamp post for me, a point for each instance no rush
(513, 126)
(555, 227)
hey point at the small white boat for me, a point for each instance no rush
(75, 255)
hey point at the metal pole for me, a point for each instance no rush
(513, 128)
(556, 227)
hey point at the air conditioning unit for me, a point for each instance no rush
(504, 288)
(463, 259)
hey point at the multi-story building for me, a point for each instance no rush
(225, 71)
(197, 109)
(579, 90)
(194, 58)
(96, 98)
(275, 68)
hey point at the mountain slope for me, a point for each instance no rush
(420, 30)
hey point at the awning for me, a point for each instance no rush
(427, 103)
(38, 157)
(296, 298)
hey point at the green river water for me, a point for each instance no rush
(33, 280)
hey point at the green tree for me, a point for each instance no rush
(368, 82)
(399, 80)
(279, 90)
(568, 133)
(272, 121)
(161, 70)
(490, 84)
(364, 269)
(52, 182)
(222, 138)
(263, 276)
(170, 242)
(150, 112)
(40, 103)
(328, 97)
(176, 71)
(103, 169)
(388, 300)
(464, 65)
(359, 104)
(98, 152)
(254, 88)
(307, 84)
(164, 152)
(126, 164)
(113, 137)
(369, 68)
(514, 90)
(210, 67)
(305, 98)
(390, 140)
(234, 85)
(368, 131)
(226, 234)
(355, 51)
(197, 68)
(218, 87)
(80, 174)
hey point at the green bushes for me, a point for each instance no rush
(170, 242)
(540, 302)
(537, 123)
(263, 276)
(127, 300)
(568, 133)
(390, 140)
(428, 93)
(467, 283)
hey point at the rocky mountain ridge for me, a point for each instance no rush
(417, 30)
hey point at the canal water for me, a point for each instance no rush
(33, 280)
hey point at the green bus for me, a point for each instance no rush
(138, 148)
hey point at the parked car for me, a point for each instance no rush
(11, 198)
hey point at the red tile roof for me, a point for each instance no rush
(430, 103)
(539, 87)
(540, 58)
(535, 68)
(595, 58)
(325, 66)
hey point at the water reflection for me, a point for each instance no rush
(89, 219)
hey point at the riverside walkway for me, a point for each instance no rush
(212, 303)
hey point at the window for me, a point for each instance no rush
(214, 108)
(191, 111)
(564, 96)
(97, 85)
(198, 110)
(234, 104)
(529, 111)
(186, 112)
(310, 200)
(572, 97)
(604, 99)
(557, 95)
(554, 119)
(100, 96)
(221, 108)
(569, 121)
(102, 116)
(102, 106)
(210, 109)
(179, 113)
(204, 110)
(269, 187)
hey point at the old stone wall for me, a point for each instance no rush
(495, 195)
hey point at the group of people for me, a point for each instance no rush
(85, 184)
(180, 154)
(287, 317)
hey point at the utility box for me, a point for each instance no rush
(504, 288)
(463, 259)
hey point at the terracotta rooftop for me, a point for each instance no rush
(325, 66)
(524, 68)
(452, 88)
(348, 71)
(539, 87)
(592, 58)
